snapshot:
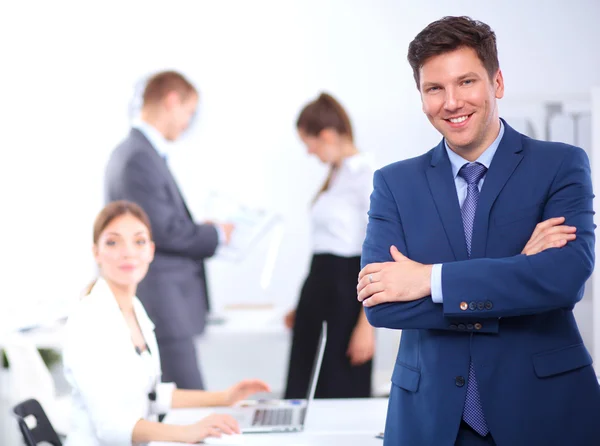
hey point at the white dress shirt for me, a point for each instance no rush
(457, 162)
(110, 380)
(339, 215)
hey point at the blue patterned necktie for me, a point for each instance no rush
(472, 173)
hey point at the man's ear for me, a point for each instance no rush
(171, 99)
(499, 84)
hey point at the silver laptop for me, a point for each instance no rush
(282, 415)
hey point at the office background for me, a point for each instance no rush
(70, 72)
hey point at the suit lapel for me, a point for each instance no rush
(505, 161)
(443, 189)
(166, 171)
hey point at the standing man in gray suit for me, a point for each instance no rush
(174, 292)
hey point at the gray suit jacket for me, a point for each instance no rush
(136, 172)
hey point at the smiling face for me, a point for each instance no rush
(124, 251)
(459, 99)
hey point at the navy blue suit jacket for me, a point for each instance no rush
(509, 313)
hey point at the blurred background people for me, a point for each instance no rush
(111, 357)
(339, 220)
(175, 291)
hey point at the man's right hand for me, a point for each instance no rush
(549, 234)
(289, 319)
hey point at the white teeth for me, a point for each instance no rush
(458, 120)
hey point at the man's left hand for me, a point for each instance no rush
(402, 280)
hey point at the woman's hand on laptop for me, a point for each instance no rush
(211, 426)
(243, 390)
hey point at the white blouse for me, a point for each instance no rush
(339, 215)
(110, 380)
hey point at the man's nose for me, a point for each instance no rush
(453, 100)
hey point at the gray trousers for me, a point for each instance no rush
(179, 362)
(175, 304)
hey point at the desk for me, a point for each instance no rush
(349, 422)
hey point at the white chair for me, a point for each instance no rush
(31, 379)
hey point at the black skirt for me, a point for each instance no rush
(329, 293)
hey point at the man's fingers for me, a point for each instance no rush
(546, 224)
(396, 255)
(550, 222)
(367, 280)
(562, 229)
(369, 269)
(375, 299)
(553, 241)
(369, 290)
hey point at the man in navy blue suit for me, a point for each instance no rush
(479, 250)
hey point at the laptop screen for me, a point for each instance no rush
(317, 365)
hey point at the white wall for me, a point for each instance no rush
(68, 72)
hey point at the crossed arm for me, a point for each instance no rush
(396, 294)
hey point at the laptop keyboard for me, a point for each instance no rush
(273, 417)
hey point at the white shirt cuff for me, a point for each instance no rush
(164, 398)
(436, 284)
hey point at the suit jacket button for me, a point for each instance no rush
(469, 326)
(488, 305)
(477, 326)
(453, 327)
(473, 306)
(480, 305)
(461, 326)
(459, 381)
(464, 306)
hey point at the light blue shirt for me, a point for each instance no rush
(457, 161)
(157, 140)
(161, 145)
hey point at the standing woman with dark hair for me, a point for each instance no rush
(339, 221)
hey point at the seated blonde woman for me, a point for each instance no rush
(111, 358)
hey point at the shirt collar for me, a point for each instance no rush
(157, 140)
(356, 161)
(485, 158)
(102, 294)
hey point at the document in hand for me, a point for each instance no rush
(250, 226)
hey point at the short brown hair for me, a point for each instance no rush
(449, 34)
(163, 83)
(114, 210)
(325, 112)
